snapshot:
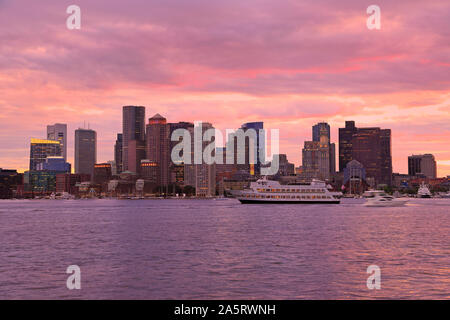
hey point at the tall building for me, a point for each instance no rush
(423, 164)
(318, 155)
(133, 123)
(41, 149)
(201, 176)
(157, 147)
(58, 132)
(320, 129)
(136, 153)
(345, 144)
(254, 168)
(85, 151)
(177, 169)
(369, 146)
(118, 153)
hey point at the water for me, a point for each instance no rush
(207, 249)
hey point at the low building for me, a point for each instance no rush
(66, 182)
(10, 182)
(102, 173)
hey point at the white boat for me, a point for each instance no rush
(268, 191)
(381, 199)
(424, 192)
(445, 195)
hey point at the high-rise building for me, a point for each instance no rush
(369, 146)
(177, 169)
(259, 157)
(118, 154)
(157, 147)
(136, 153)
(423, 164)
(320, 129)
(201, 176)
(85, 151)
(318, 155)
(41, 149)
(133, 123)
(372, 148)
(345, 144)
(58, 132)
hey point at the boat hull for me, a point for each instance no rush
(254, 201)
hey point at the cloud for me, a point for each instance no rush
(289, 63)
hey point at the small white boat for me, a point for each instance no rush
(381, 199)
(445, 195)
(424, 192)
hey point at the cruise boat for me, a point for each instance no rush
(424, 192)
(268, 191)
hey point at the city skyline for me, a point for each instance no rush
(71, 155)
(290, 65)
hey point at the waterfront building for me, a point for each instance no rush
(371, 147)
(158, 148)
(10, 180)
(354, 177)
(150, 171)
(102, 173)
(118, 154)
(41, 149)
(40, 181)
(133, 139)
(58, 132)
(423, 164)
(66, 182)
(85, 151)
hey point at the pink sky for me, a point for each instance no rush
(289, 63)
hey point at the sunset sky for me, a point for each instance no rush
(289, 63)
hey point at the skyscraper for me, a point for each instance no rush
(133, 130)
(41, 149)
(201, 176)
(318, 155)
(423, 164)
(58, 132)
(369, 146)
(345, 144)
(157, 147)
(322, 128)
(118, 153)
(321, 132)
(85, 151)
(177, 173)
(259, 157)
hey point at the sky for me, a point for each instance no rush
(288, 63)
